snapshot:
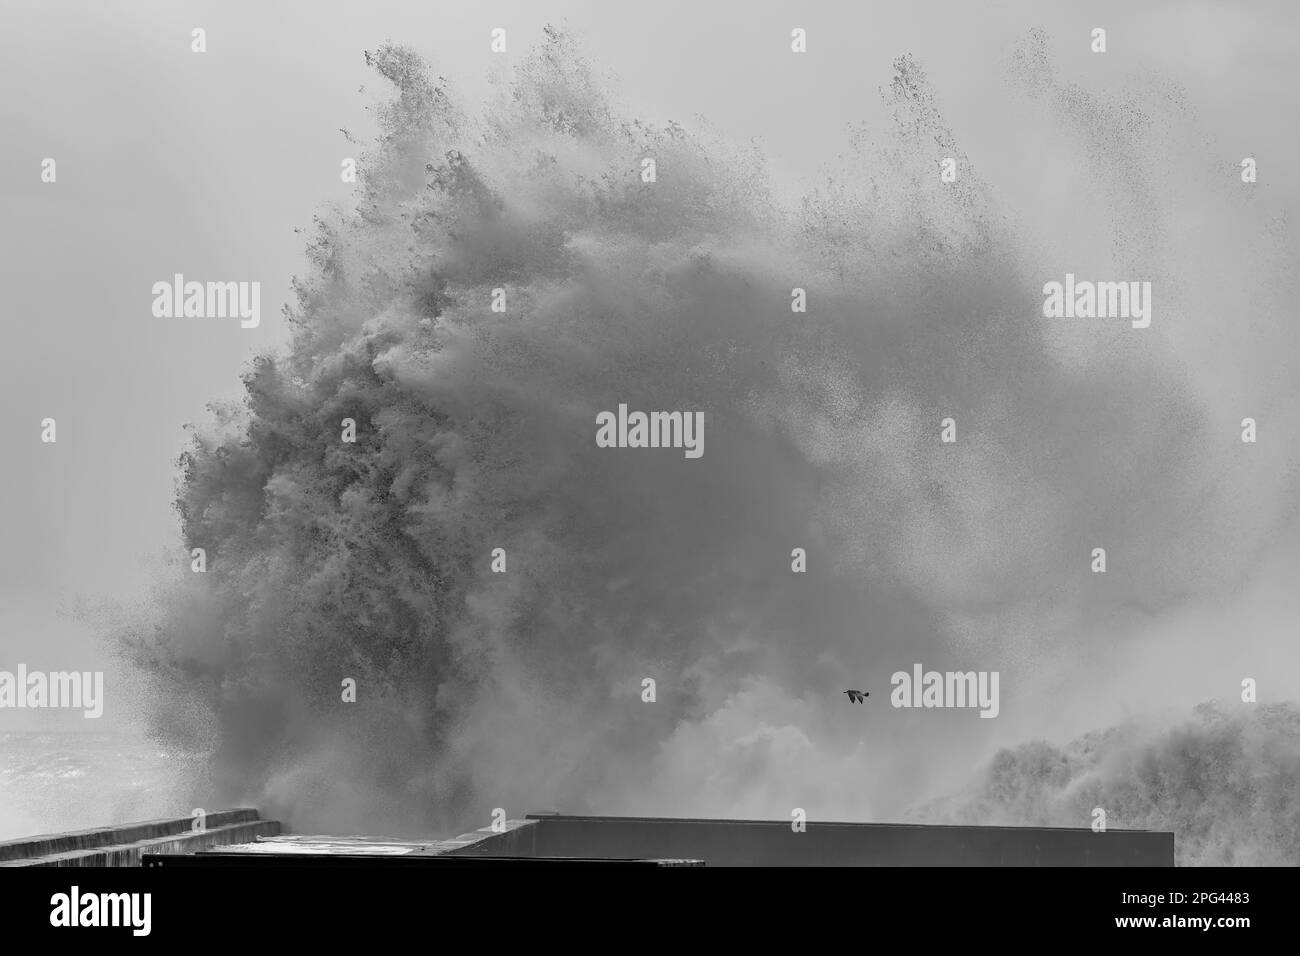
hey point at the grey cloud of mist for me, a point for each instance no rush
(1226, 781)
(476, 431)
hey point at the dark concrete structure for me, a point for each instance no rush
(552, 838)
(240, 838)
(763, 843)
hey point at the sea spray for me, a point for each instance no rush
(451, 604)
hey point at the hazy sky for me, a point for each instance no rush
(174, 162)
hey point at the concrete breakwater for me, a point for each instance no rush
(122, 845)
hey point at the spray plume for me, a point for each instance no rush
(475, 431)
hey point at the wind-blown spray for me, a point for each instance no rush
(476, 430)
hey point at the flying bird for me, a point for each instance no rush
(858, 696)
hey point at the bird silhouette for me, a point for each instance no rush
(858, 696)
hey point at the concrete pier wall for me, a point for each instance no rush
(122, 845)
(775, 843)
(240, 835)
